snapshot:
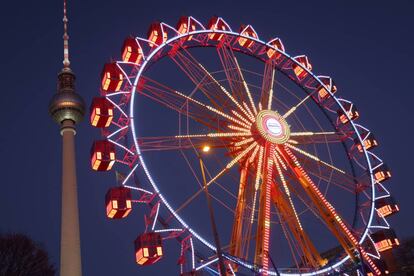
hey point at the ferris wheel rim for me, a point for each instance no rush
(286, 55)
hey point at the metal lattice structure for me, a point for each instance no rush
(284, 158)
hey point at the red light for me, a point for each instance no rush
(277, 43)
(369, 141)
(186, 25)
(249, 32)
(112, 77)
(385, 240)
(132, 51)
(102, 155)
(148, 248)
(156, 34)
(299, 71)
(382, 173)
(118, 202)
(102, 112)
(216, 23)
(350, 110)
(329, 84)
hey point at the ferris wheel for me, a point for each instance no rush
(292, 183)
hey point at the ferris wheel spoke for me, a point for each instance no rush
(213, 179)
(330, 177)
(235, 78)
(188, 106)
(197, 141)
(327, 172)
(236, 241)
(178, 102)
(267, 85)
(287, 210)
(300, 243)
(204, 80)
(337, 226)
(315, 158)
(293, 108)
(309, 137)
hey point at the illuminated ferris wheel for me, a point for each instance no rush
(291, 181)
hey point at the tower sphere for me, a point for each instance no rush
(66, 104)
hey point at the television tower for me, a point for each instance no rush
(67, 108)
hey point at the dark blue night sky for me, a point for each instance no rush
(365, 46)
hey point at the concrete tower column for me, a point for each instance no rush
(70, 254)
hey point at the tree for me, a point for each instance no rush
(21, 256)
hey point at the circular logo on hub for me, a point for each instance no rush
(272, 126)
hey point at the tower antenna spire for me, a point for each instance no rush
(66, 62)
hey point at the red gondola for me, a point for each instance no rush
(112, 77)
(216, 23)
(102, 112)
(118, 202)
(102, 155)
(247, 31)
(328, 82)
(350, 110)
(186, 25)
(299, 71)
(382, 173)
(386, 206)
(156, 34)
(369, 141)
(385, 239)
(277, 43)
(148, 248)
(132, 51)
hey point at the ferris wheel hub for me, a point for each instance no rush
(272, 127)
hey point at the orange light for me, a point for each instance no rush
(155, 36)
(298, 70)
(384, 211)
(382, 175)
(110, 212)
(96, 160)
(110, 117)
(276, 43)
(140, 258)
(218, 26)
(106, 81)
(96, 116)
(183, 28)
(343, 119)
(129, 208)
(146, 253)
(126, 55)
(323, 92)
(206, 148)
(383, 245)
(245, 42)
(159, 251)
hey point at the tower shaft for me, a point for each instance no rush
(70, 253)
